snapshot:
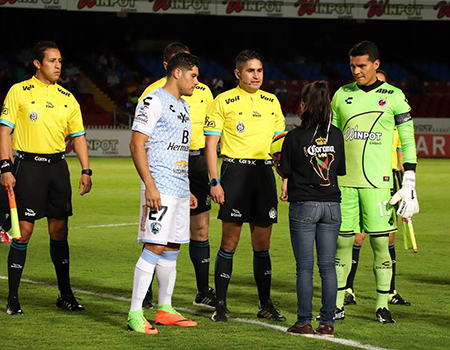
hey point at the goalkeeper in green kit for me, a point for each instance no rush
(367, 111)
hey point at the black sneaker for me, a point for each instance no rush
(339, 314)
(69, 302)
(13, 306)
(268, 311)
(220, 314)
(396, 299)
(349, 298)
(148, 300)
(208, 299)
(384, 315)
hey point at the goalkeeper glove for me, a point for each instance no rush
(407, 195)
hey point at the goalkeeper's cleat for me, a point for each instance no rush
(138, 323)
(69, 302)
(4, 236)
(396, 299)
(350, 297)
(148, 300)
(339, 314)
(170, 317)
(384, 315)
(268, 311)
(221, 312)
(208, 299)
(13, 306)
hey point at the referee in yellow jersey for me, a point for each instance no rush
(41, 114)
(199, 249)
(245, 119)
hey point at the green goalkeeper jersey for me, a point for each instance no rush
(367, 117)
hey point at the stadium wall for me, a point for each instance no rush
(432, 139)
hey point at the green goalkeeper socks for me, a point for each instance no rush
(382, 267)
(343, 265)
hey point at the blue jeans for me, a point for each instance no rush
(320, 222)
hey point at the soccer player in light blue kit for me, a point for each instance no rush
(160, 150)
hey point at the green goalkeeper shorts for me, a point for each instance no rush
(367, 209)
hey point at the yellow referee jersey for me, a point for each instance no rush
(41, 116)
(199, 103)
(396, 147)
(246, 122)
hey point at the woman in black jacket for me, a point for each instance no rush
(311, 159)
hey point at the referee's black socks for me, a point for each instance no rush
(199, 252)
(59, 252)
(262, 270)
(16, 262)
(223, 269)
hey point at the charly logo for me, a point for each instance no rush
(155, 227)
(240, 127)
(208, 200)
(33, 116)
(272, 213)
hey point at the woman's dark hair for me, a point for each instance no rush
(315, 106)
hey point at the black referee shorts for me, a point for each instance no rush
(250, 191)
(42, 189)
(198, 181)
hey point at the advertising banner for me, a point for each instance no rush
(104, 143)
(432, 137)
(417, 10)
(35, 4)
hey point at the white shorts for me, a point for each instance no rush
(170, 224)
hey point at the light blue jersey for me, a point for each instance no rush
(167, 123)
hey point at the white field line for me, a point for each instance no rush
(106, 225)
(195, 312)
(109, 225)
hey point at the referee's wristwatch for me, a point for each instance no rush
(87, 172)
(214, 182)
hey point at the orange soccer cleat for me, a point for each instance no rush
(166, 315)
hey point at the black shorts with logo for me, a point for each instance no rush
(250, 191)
(42, 186)
(198, 181)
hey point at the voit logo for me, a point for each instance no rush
(29, 212)
(235, 213)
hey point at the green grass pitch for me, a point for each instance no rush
(103, 260)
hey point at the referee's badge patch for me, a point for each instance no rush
(272, 213)
(155, 227)
(240, 127)
(33, 116)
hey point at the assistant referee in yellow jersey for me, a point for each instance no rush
(199, 249)
(39, 114)
(245, 119)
